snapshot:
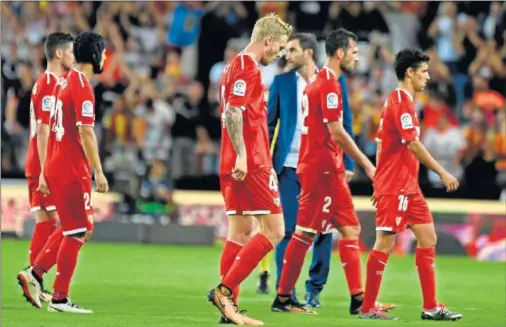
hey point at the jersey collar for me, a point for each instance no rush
(405, 91)
(329, 71)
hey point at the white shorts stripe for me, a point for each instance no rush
(75, 231)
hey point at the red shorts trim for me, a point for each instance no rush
(325, 202)
(257, 194)
(73, 204)
(395, 212)
(37, 200)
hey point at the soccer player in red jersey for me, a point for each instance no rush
(60, 56)
(248, 182)
(397, 195)
(72, 148)
(325, 200)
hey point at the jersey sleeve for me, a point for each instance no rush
(379, 132)
(84, 103)
(242, 85)
(43, 101)
(330, 99)
(405, 122)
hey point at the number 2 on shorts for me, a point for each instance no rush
(326, 205)
(87, 201)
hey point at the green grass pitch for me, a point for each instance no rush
(146, 285)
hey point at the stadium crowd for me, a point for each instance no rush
(157, 101)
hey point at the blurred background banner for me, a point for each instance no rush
(464, 227)
(158, 122)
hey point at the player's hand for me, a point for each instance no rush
(348, 175)
(370, 171)
(42, 188)
(241, 168)
(101, 181)
(450, 182)
(374, 201)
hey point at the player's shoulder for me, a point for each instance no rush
(45, 83)
(78, 80)
(399, 96)
(243, 62)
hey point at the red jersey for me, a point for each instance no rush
(321, 104)
(40, 109)
(241, 86)
(397, 170)
(75, 106)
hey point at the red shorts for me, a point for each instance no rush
(37, 200)
(325, 202)
(396, 211)
(257, 194)
(73, 204)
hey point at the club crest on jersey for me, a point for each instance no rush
(277, 201)
(87, 109)
(406, 121)
(62, 82)
(47, 103)
(398, 220)
(239, 88)
(332, 100)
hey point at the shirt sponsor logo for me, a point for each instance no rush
(239, 88)
(47, 103)
(87, 109)
(332, 100)
(406, 121)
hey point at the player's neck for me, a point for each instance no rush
(307, 71)
(334, 66)
(408, 87)
(255, 50)
(54, 68)
(86, 69)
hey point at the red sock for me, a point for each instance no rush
(227, 260)
(66, 262)
(247, 260)
(47, 257)
(375, 267)
(41, 233)
(424, 259)
(292, 263)
(349, 252)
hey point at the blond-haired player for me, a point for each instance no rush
(248, 182)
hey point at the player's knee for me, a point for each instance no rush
(350, 232)
(275, 235)
(305, 234)
(241, 238)
(428, 240)
(385, 243)
(43, 216)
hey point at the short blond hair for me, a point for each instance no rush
(270, 24)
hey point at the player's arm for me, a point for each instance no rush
(333, 116)
(273, 111)
(85, 119)
(405, 124)
(42, 108)
(237, 100)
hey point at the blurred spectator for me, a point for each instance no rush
(208, 140)
(435, 109)
(234, 46)
(444, 30)
(184, 131)
(445, 142)
(17, 114)
(153, 125)
(308, 16)
(185, 27)
(156, 192)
